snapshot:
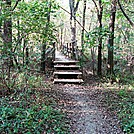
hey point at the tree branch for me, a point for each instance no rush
(96, 6)
(74, 18)
(16, 4)
(76, 7)
(71, 8)
(131, 23)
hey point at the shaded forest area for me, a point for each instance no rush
(31, 30)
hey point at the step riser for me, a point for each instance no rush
(70, 76)
(66, 69)
(65, 63)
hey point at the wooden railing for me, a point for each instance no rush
(51, 52)
(70, 50)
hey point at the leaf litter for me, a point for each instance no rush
(82, 106)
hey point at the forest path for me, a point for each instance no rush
(80, 104)
(59, 56)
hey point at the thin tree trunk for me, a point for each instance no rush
(8, 33)
(0, 18)
(71, 5)
(24, 46)
(111, 37)
(73, 10)
(93, 60)
(99, 14)
(82, 32)
(43, 62)
(99, 72)
(27, 55)
(83, 23)
(61, 37)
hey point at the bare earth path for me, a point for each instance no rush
(82, 107)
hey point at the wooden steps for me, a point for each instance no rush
(68, 80)
(67, 66)
(66, 62)
(67, 72)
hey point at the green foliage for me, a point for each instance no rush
(26, 112)
(30, 31)
(119, 98)
(126, 112)
(92, 37)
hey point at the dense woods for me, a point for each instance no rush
(102, 32)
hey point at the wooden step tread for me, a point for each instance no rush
(59, 62)
(67, 72)
(68, 80)
(66, 66)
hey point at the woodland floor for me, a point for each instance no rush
(87, 106)
(83, 105)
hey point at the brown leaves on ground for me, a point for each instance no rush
(84, 107)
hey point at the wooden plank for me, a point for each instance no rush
(67, 72)
(68, 81)
(66, 66)
(67, 61)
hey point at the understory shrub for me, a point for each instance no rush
(126, 112)
(27, 113)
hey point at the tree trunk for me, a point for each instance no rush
(73, 10)
(0, 18)
(71, 4)
(61, 36)
(27, 55)
(93, 60)
(8, 32)
(43, 56)
(82, 32)
(83, 23)
(111, 37)
(99, 72)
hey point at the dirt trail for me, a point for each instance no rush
(80, 104)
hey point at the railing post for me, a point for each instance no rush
(77, 54)
(67, 50)
(63, 49)
(74, 47)
(73, 51)
(70, 50)
(53, 55)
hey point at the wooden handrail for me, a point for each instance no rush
(70, 50)
(51, 51)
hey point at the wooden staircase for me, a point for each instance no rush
(67, 71)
